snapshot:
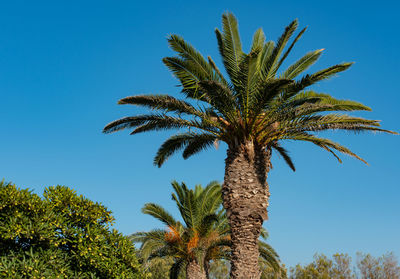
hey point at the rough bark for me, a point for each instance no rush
(194, 271)
(245, 195)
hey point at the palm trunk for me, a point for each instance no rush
(194, 271)
(245, 194)
(207, 269)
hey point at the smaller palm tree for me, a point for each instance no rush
(204, 235)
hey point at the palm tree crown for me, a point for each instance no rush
(203, 236)
(259, 103)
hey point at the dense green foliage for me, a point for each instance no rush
(61, 235)
(340, 267)
(159, 268)
(204, 235)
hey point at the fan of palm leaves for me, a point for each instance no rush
(258, 101)
(203, 236)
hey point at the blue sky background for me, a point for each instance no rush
(64, 65)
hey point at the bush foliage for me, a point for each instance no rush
(61, 235)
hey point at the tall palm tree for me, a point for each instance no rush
(252, 111)
(203, 237)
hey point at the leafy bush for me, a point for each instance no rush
(340, 267)
(61, 235)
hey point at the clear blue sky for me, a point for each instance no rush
(64, 65)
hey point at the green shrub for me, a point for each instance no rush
(61, 235)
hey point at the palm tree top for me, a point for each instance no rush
(204, 234)
(257, 103)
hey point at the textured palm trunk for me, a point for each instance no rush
(194, 271)
(245, 194)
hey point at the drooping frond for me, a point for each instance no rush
(170, 146)
(269, 256)
(159, 213)
(325, 144)
(161, 252)
(150, 241)
(334, 122)
(284, 153)
(198, 143)
(178, 142)
(317, 99)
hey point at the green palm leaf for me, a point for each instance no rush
(230, 46)
(159, 213)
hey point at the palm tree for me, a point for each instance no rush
(203, 237)
(253, 111)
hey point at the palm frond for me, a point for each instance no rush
(284, 153)
(187, 74)
(150, 241)
(302, 64)
(269, 256)
(271, 66)
(217, 70)
(334, 122)
(198, 143)
(264, 57)
(219, 96)
(180, 192)
(176, 268)
(230, 46)
(162, 252)
(190, 213)
(264, 234)
(313, 78)
(206, 224)
(247, 82)
(157, 122)
(165, 103)
(258, 41)
(325, 144)
(267, 93)
(291, 47)
(190, 54)
(210, 198)
(170, 146)
(311, 97)
(159, 213)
